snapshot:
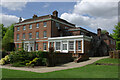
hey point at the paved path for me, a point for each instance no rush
(41, 69)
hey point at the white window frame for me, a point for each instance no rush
(37, 25)
(29, 35)
(36, 46)
(24, 27)
(45, 34)
(79, 45)
(58, 46)
(30, 26)
(71, 45)
(37, 36)
(44, 46)
(18, 28)
(18, 36)
(23, 35)
(44, 24)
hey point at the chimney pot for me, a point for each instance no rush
(20, 19)
(98, 32)
(55, 13)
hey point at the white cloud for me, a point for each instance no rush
(13, 5)
(94, 14)
(7, 20)
(46, 5)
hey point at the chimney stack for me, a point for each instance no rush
(55, 13)
(34, 16)
(20, 19)
(98, 32)
(107, 33)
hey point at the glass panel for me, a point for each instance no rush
(37, 34)
(79, 45)
(45, 34)
(64, 46)
(71, 45)
(23, 35)
(30, 27)
(30, 35)
(17, 36)
(45, 24)
(24, 27)
(44, 46)
(57, 45)
(37, 25)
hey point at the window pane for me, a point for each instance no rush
(45, 34)
(57, 45)
(30, 27)
(71, 45)
(37, 34)
(58, 25)
(17, 36)
(45, 24)
(24, 27)
(51, 44)
(37, 25)
(44, 46)
(18, 28)
(23, 35)
(30, 35)
(64, 46)
(36, 46)
(79, 45)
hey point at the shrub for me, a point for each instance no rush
(4, 60)
(18, 64)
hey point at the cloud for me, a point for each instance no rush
(94, 14)
(13, 5)
(46, 5)
(7, 20)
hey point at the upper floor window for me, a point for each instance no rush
(71, 45)
(45, 24)
(58, 25)
(23, 36)
(30, 35)
(24, 27)
(30, 26)
(18, 28)
(45, 34)
(79, 45)
(17, 36)
(37, 35)
(37, 25)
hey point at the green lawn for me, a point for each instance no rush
(88, 71)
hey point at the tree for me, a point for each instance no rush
(116, 35)
(103, 31)
(3, 30)
(8, 39)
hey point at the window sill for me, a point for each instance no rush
(45, 37)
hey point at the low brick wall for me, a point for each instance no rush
(114, 54)
(59, 58)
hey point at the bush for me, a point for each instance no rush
(118, 45)
(28, 58)
(4, 60)
(18, 64)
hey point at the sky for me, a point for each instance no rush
(88, 14)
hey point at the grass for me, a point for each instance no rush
(88, 71)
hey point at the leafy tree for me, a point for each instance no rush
(4, 30)
(116, 35)
(8, 39)
(103, 31)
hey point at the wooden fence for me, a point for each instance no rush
(114, 54)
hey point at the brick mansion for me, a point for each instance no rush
(41, 33)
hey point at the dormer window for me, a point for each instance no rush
(30, 26)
